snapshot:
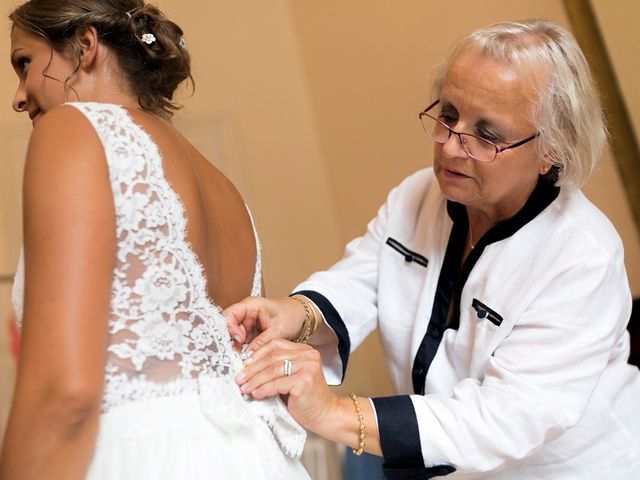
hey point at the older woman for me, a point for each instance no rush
(499, 290)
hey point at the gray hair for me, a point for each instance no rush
(568, 113)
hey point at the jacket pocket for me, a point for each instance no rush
(482, 311)
(409, 255)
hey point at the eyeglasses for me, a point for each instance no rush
(476, 147)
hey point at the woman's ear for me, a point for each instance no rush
(544, 168)
(87, 43)
(547, 163)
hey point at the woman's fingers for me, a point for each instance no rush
(272, 381)
(295, 370)
(242, 318)
(278, 358)
(269, 319)
(267, 333)
(236, 315)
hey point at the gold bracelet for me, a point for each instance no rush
(315, 319)
(305, 331)
(360, 450)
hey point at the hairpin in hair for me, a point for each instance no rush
(182, 43)
(148, 38)
(131, 12)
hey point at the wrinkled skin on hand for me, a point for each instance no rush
(257, 320)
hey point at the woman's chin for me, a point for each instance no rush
(455, 190)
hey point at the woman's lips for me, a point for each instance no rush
(454, 174)
(33, 115)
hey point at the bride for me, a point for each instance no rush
(133, 244)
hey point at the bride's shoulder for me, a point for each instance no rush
(63, 143)
(59, 125)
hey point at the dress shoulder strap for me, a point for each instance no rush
(256, 289)
(105, 118)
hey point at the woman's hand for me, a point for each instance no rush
(309, 399)
(270, 319)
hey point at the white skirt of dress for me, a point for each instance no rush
(173, 438)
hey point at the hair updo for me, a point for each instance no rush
(153, 69)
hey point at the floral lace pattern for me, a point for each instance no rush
(164, 330)
(166, 336)
(17, 292)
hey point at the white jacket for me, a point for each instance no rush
(533, 381)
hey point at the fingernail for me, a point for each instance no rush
(247, 356)
(241, 377)
(236, 338)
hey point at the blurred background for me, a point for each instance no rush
(311, 108)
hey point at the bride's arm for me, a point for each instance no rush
(69, 230)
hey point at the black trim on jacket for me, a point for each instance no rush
(409, 255)
(334, 320)
(449, 277)
(400, 440)
(452, 279)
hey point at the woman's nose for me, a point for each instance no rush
(453, 147)
(20, 100)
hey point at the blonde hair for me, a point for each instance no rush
(153, 71)
(568, 113)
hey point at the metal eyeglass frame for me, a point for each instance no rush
(462, 143)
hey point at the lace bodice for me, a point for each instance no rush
(166, 337)
(164, 330)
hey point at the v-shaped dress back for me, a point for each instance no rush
(171, 366)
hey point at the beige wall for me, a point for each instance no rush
(619, 21)
(368, 68)
(12, 144)
(311, 107)
(620, 25)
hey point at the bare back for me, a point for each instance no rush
(184, 248)
(219, 227)
(122, 230)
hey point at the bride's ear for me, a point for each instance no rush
(87, 45)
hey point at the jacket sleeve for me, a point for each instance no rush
(347, 293)
(538, 381)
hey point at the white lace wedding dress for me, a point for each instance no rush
(171, 408)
